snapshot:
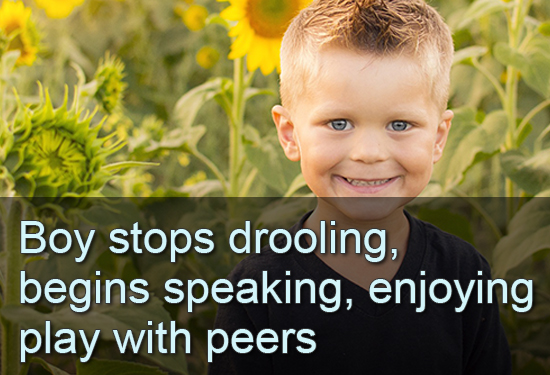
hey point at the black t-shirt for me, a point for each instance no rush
(371, 338)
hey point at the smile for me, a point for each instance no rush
(367, 183)
(373, 186)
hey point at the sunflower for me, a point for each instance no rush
(58, 8)
(17, 26)
(54, 152)
(259, 30)
(195, 17)
(207, 57)
(110, 89)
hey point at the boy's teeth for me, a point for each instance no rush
(367, 183)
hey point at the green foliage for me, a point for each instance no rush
(527, 234)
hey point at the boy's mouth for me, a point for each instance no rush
(355, 182)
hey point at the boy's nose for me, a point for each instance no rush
(370, 147)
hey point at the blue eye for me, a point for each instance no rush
(399, 126)
(339, 124)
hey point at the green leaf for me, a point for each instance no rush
(107, 367)
(479, 144)
(181, 139)
(202, 188)
(273, 167)
(482, 8)
(115, 167)
(528, 232)
(252, 92)
(188, 105)
(466, 54)
(530, 174)
(536, 73)
(509, 56)
(48, 367)
(544, 194)
(36, 258)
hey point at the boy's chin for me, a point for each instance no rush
(363, 209)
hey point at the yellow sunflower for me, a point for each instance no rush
(16, 24)
(259, 30)
(58, 8)
(195, 17)
(207, 57)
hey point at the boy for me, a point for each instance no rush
(364, 87)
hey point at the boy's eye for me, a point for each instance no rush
(339, 124)
(399, 126)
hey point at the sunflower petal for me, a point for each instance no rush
(259, 31)
(233, 13)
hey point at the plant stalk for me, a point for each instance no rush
(10, 331)
(236, 128)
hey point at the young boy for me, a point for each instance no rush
(364, 87)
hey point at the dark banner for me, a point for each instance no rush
(272, 285)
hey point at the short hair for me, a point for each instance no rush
(378, 27)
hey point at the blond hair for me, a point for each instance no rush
(378, 27)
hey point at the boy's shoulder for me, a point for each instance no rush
(450, 253)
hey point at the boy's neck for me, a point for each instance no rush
(354, 266)
(394, 222)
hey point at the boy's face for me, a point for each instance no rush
(367, 127)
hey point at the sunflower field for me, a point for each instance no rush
(150, 100)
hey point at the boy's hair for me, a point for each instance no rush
(378, 27)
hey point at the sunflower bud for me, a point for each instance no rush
(53, 153)
(110, 87)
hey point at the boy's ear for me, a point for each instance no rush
(285, 131)
(442, 133)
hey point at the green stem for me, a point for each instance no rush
(210, 164)
(236, 127)
(248, 182)
(515, 26)
(511, 106)
(510, 199)
(538, 142)
(10, 331)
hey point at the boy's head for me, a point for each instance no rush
(382, 28)
(364, 86)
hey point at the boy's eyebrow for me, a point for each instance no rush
(327, 111)
(419, 113)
